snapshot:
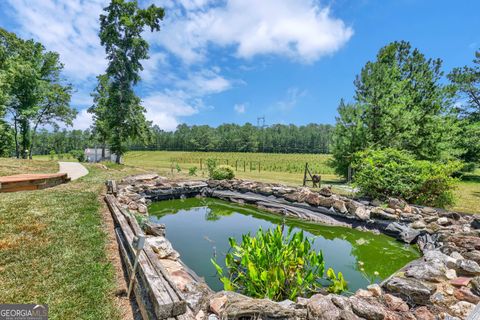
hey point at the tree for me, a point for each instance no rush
(33, 89)
(399, 103)
(100, 112)
(466, 81)
(121, 34)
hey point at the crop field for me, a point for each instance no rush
(269, 167)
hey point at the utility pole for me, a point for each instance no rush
(261, 125)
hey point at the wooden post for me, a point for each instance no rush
(236, 165)
(250, 166)
(201, 164)
(259, 166)
(305, 174)
(227, 162)
(349, 174)
(244, 166)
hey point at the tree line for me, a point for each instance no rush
(401, 102)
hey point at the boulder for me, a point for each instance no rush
(375, 289)
(475, 224)
(325, 191)
(367, 308)
(443, 221)
(339, 205)
(462, 309)
(403, 232)
(162, 247)
(467, 267)
(476, 285)
(419, 224)
(322, 308)
(410, 290)
(472, 255)
(394, 303)
(430, 271)
(395, 203)
(465, 294)
(154, 229)
(325, 202)
(468, 243)
(379, 213)
(422, 313)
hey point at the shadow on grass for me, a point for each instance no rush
(471, 178)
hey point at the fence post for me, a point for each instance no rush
(258, 166)
(201, 164)
(244, 166)
(236, 165)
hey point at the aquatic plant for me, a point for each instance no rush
(271, 265)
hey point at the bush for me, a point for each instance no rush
(271, 265)
(78, 154)
(223, 172)
(393, 173)
(192, 171)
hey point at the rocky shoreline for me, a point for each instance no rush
(443, 284)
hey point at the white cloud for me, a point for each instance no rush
(164, 108)
(83, 120)
(299, 29)
(239, 108)
(67, 27)
(292, 97)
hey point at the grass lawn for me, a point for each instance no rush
(53, 245)
(468, 194)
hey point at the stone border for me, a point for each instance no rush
(443, 284)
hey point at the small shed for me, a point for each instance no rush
(95, 155)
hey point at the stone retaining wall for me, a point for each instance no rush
(443, 284)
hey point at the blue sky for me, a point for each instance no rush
(217, 61)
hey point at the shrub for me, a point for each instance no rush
(78, 154)
(52, 154)
(223, 172)
(271, 265)
(211, 165)
(394, 173)
(192, 171)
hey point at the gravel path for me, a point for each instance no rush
(74, 170)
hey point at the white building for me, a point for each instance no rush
(95, 155)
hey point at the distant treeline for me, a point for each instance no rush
(278, 138)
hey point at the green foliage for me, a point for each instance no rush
(192, 171)
(78, 154)
(272, 266)
(177, 166)
(223, 172)
(121, 29)
(32, 89)
(394, 173)
(211, 165)
(52, 154)
(399, 103)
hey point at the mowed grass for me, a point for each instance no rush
(467, 193)
(53, 245)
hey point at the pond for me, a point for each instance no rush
(199, 228)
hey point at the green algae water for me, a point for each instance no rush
(199, 229)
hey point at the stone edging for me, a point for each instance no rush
(443, 284)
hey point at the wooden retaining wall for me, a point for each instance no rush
(155, 293)
(25, 182)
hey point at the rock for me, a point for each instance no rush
(339, 205)
(468, 243)
(465, 294)
(142, 208)
(325, 191)
(475, 224)
(462, 309)
(132, 205)
(363, 293)
(379, 213)
(341, 302)
(368, 309)
(467, 268)
(348, 315)
(325, 202)
(455, 255)
(403, 232)
(419, 224)
(313, 199)
(287, 303)
(476, 285)
(154, 229)
(233, 305)
(437, 255)
(362, 213)
(217, 303)
(451, 274)
(162, 247)
(429, 211)
(410, 290)
(396, 203)
(423, 313)
(472, 255)
(322, 308)
(375, 289)
(140, 178)
(460, 281)
(211, 317)
(394, 303)
(430, 271)
(443, 221)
